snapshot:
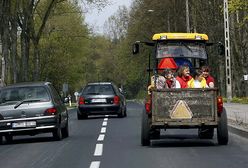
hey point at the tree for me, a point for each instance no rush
(5, 7)
(116, 26)
(22, 26)
(64, 47)
(239, 35)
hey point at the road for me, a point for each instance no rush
(110, 142)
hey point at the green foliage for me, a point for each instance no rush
(242, 100)
(69, 53)
(235, 5)
(65, 47)
(239, 6)
(149, 17)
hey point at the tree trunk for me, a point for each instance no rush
(13, 51)
(36, 38)
(5, 39)
(25, 45)
(36, 75)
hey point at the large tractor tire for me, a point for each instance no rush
(145, 129)
(222, 130)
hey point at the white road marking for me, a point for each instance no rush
(104, 123)
(95, 164)
(103, 130)
(101, 137)
(99, 147)
(98, 150)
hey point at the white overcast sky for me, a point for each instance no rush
(97, 18)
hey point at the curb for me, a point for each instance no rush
(238, 131)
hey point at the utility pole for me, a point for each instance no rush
(187, 16)
(227, 53)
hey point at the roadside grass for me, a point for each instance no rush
(242, 100)
(73, 105)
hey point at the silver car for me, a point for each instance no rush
(32, 108)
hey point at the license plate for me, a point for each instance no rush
(98, 100)
(24, 124)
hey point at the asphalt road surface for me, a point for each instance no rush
(111, 142)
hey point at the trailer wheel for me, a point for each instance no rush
(145, 129)
(222, 130)
(206, 133)
(155, 134)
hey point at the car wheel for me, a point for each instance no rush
(145, 130)
(222, 130)
(65, 131)
(81, 116)
(57, 134)
(9, 139)
(1, 139)
(125, 112)
(121, 115)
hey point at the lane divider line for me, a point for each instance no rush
(98, 150)
(99, 147)
(95, 164)
(101, 137)
(104, 123)
(103, 130)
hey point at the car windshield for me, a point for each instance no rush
(13, 95)
(181, 49)
(98, 90)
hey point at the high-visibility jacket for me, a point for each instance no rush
(203, 83)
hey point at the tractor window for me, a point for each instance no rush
(181, 49)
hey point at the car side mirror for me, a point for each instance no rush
(135, 48)
(221, 49)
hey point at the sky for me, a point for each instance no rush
(96, 18)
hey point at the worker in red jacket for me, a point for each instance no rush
(183, 77)
(205, 72)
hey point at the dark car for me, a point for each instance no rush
(32, 108)
(101, 98)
